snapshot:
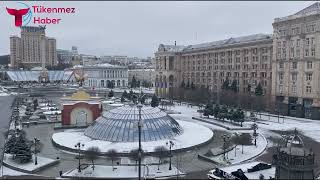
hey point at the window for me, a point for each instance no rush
(313, 52)
(307, 53)
(298, 42)
(312, 41)
(280, 89)
(307, 41)
(294, 89)
(280, 77)
(294, 77)
(281, 65)
(309, 65)
(309, 77)
(308, 89)
(294, 65)
(298, 52)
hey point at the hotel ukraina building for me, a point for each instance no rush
(286, 64)
(32, 48)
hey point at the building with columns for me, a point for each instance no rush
(286, 64)
(246, 59)
(32, 48)
(296, 63)
(103, 75)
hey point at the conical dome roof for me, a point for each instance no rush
(121, 125)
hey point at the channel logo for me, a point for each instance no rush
(22, 16)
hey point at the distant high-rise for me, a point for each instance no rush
(32, 48)
(74, 50)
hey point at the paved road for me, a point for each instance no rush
(5, 113)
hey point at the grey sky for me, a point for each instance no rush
(137, 28)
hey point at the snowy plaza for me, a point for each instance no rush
(197, 141)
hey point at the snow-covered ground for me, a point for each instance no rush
(52, 112)
(193, 134)
(125, 172)
(249, 152)
(10, 172)
(30, 166)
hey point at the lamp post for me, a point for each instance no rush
(255, 127)
(225, 138)
(139, 106)
(78, 146)
(170, 144)
(36, 141)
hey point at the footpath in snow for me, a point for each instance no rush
(124, 172)
(235, 156)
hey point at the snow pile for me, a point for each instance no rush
(30, 166)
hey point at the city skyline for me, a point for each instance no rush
(145, 25)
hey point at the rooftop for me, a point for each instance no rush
(308, 11)
(104, 65)
(218, 44)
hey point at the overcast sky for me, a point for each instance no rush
(137, 28)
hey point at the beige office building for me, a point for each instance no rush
(296, 65)
(32, 48)
(247, 60)
(286, 64)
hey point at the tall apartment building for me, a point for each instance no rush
(296, 65)
(247, 60)
(32, 48)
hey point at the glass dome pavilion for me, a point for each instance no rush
(121, 125)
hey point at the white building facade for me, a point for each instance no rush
(106, 76)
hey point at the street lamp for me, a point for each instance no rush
(78, 146)
(225, 139)
(170, 144)
(36, 141)
(139, 106)
(255, 127)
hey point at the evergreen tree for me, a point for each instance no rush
(111, 94)
(223, 113)
(133, 82)
(188, 85)
(208, 110)
(35, 104)
(192, 86)
(130, 96)
(216, 110)
(122, 98)
(225, 85)
(230, 115)
(259, 90)
(249, 88)
(125, 94)
(154, 101)
(234, 87)
(138, 83)
(183, 84)
(19, 147)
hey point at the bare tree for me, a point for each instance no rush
(113, 155)
(160, 152)
(134, 156)
(92, 154)
(243, 139)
